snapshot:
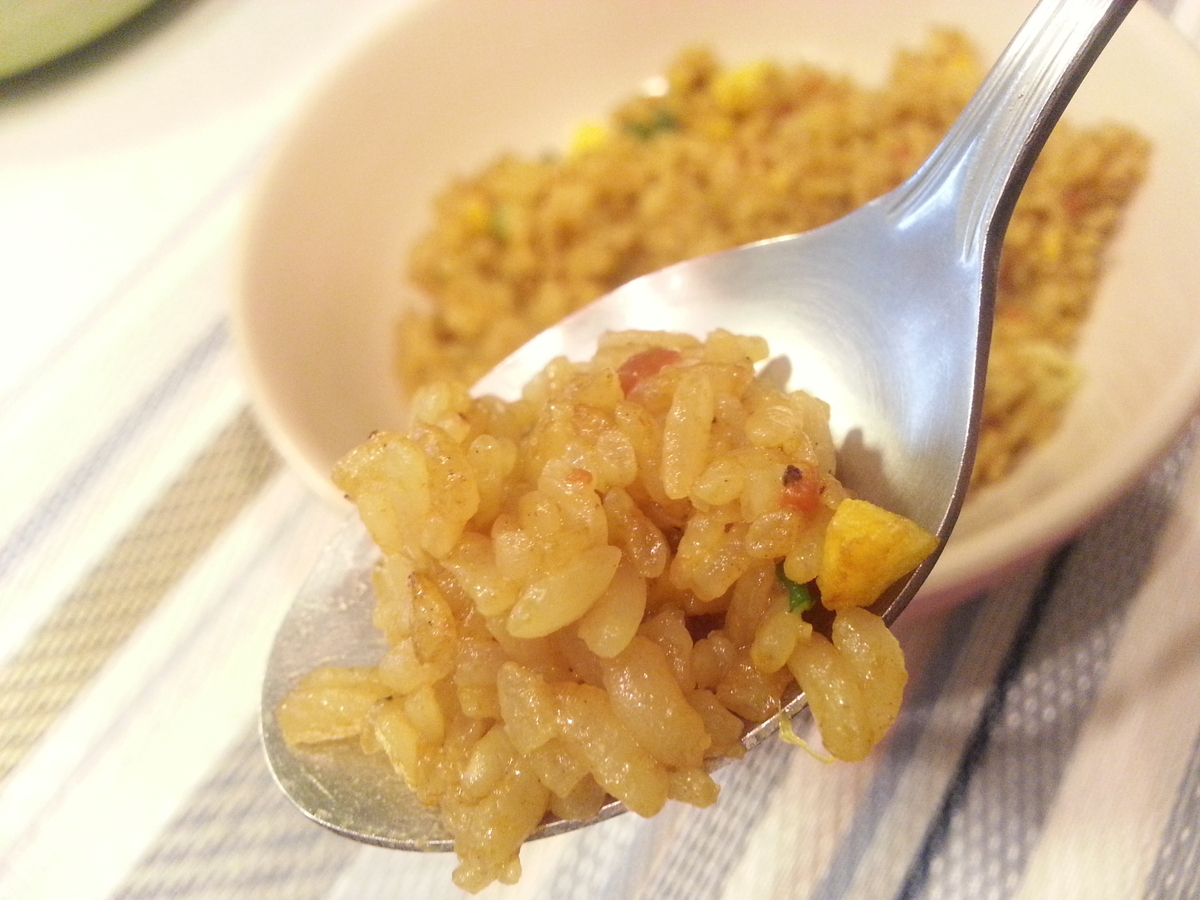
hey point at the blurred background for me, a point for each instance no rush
(150, 537)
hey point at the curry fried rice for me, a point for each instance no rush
(727, 156)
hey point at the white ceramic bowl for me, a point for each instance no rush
(451, 84)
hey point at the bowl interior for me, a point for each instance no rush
(451, 84)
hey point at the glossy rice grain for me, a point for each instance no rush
(729, 155)
(581, 590)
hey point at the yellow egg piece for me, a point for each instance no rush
(867, 549)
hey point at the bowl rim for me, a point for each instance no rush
(970, 564)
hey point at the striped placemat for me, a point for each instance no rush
(150, 540)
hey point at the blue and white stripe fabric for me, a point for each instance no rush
(150, 540)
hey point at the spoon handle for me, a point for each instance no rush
(984, 159)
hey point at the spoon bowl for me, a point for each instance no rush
(884, 314)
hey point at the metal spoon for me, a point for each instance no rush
(886, 314)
